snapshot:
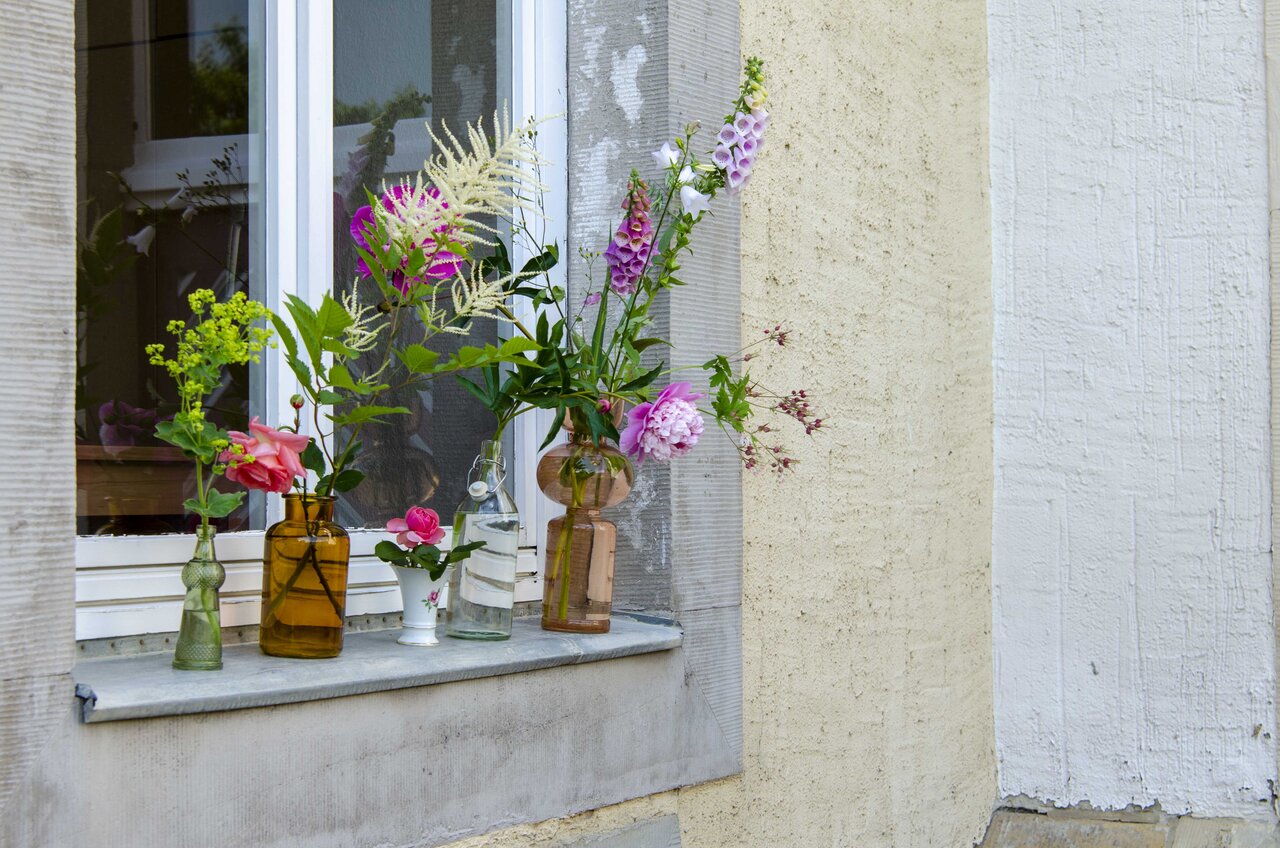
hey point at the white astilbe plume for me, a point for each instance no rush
(472, 298)
(362, 335)
(464, 183)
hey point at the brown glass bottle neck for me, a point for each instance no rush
(308, 508)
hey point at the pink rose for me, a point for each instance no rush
(276, 462)
(418, 527)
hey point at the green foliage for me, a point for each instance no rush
(217, 505)
(220, 335)
(428, 557)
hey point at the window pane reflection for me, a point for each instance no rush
(394, 70)
(167, 106)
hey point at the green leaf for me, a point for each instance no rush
(221, 504)
(347, 480)
(556, 423)
(418, 359)
(518, 344)
(313, 458)
(285, 335)
(179, 437)
(644, 379)
(461, 552)
(326, 396)
(304, 319)
(597, 335)
(390, 552)
(364, 414)
(333, 318)
(479, 393)
(339, 376)
(645, 344)
(542, 263)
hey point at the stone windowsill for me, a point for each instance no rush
(147, 686)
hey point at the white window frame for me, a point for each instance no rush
(131, 585)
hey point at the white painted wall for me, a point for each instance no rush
(1131, 542)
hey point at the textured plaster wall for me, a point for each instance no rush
(1132, 614)
(866, 597)
(37, 293)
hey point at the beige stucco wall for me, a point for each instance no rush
(866, 609)
(867, 597)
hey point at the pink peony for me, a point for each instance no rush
(275, 463)
(418, 527)
(664, 428)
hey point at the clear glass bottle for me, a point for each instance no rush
(199, 645)
(482, 586)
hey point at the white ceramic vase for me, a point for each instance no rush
(421, 597)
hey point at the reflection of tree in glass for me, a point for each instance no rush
(220, 83)
(408, 102)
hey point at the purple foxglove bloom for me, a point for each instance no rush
(762, 120)
(622, 284)
(722, 157)
(749, 146)
(735, 179)
(665, 428)
(744, 124)
(728, 135)
(694, 201)
(742, 160)
(628, 251)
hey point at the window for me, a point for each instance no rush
(224, 144)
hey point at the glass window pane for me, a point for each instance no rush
(394, 70)
(168, 109)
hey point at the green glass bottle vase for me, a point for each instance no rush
(200, 634)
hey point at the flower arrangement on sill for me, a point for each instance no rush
(420, 568)
(220, 335)
(592, 369)
(588, 375)
(417, 535)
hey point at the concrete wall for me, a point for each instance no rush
(1132, 568)
(866, 592)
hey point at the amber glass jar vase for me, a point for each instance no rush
(304, 581)
(586, 477)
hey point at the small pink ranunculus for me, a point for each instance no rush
(420, 526)
(664, 428)
(276, 458)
